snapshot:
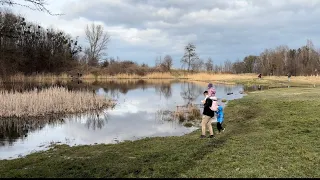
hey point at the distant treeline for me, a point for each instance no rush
(281, 61)
(28, 48)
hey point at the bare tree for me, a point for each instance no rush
(167, 63)
(197, 65)
(98, 41)
(190, 55)
(37, 5)
(227, 66)
(157, 61)
(209, 65)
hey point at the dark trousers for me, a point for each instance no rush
(219, 126)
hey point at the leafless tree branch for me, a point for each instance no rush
(36, 5)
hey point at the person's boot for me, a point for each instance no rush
(202, 136)
(211, 136)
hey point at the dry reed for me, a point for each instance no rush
(189, 112)
(135, 76)
(194, 113)
(202, 76)
(54, 100)
(220, 77)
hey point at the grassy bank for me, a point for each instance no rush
(54, 100)
(205, 77)
(271, 133)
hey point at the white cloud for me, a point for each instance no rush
(222, 29)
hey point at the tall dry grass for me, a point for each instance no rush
(54, 100)
(155, 75)
(37, 78)
(202, 76)
(190, 112)
(220, 77)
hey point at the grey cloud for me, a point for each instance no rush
(241, 27)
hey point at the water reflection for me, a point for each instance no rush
(164, 90)
(190, 92)
(13, 129)
(96, 121)
(143, 110)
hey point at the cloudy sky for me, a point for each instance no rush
(141, 30)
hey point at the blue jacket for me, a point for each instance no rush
(220, 114)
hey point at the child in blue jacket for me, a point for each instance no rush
(220, 118)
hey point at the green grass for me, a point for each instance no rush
(272, 133)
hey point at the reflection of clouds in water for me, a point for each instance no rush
(133, 117)
(190, 92)
(125, 108)
(147, 101)
(124, 127)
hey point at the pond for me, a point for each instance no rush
(140, 112)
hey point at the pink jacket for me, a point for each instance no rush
(214, 106)
(211, 92)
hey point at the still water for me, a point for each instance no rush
(139, 113)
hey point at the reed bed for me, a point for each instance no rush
(201, 76)
(38, 77)
(54, 100)
(220, 77)
(189, 112)
(135, 76)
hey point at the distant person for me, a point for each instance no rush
(220, 118)
(289, 76)
(211, 90)
(259, 76)
(208, 114)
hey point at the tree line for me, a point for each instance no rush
(282, 61)
(278, 61)
(28, 48)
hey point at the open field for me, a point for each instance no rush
(55, 100)
(272, 133)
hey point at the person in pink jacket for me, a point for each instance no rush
(211, 90)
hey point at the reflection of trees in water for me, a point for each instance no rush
(96, 120)
(190, 92)
(111, 87)
(228, 88)
(125, 86)
(13, 129)
(164, 89)
(112, 93)
(31, 85)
